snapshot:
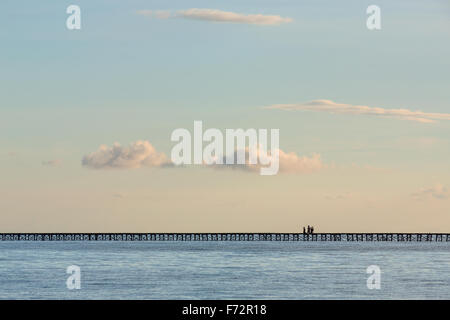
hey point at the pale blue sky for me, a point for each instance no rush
(127, 77)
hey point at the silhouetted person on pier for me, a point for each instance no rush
(312, 230)
(304, 230)
(309, 229)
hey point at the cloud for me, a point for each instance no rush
(142, 154)
(291, 163)
(51, 163)
(226, 16)
(138, 154)
(215, 15)
(438, 191)
(342, 108)
(288, 162)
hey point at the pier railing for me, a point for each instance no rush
(346, 237)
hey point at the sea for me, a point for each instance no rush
(224, 270)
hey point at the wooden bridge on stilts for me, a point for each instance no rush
(292, 237)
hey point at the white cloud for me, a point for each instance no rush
(437, 191)
(143, 154)
(342, 108)
(215, 15)
(160, 14)
(288, 162)
(138, 154)
(291, 163)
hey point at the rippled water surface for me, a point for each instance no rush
(224, 270)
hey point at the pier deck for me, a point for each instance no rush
(346, 237)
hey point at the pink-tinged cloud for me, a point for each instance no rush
(138, 154)
(142, 154)
(289, 162)
(214, 15)
(329, 106)
(292, 163)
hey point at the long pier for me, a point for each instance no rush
(346, 237)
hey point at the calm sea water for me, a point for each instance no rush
(224, 270)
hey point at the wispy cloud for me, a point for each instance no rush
(138, 154)
(437, 191)
(342, 108)
(215, 15)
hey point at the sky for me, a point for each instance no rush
(364, 115)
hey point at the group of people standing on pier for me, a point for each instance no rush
(309, 230)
